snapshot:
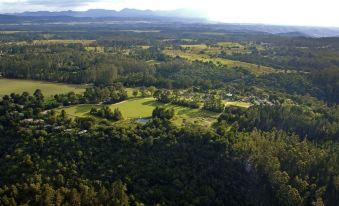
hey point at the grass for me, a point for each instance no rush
(145, 47)
(143, 107)
(10, 32)
(237, 104)
(8, 86)
(97, 49)
(64, 41)
(255, 69)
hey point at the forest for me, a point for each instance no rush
(166, 114)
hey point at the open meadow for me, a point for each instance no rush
(136, 108)
(191, 56)
(49, 89)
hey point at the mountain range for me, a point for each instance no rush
(184, 15)
(100, 13)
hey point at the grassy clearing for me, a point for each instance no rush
(8, 86)
(231, 47)
(64, 41)
(97, 49)
(78, 110)
(255, 69)
(10, 32)
(237, 104)
(143, 108)
(145, 47)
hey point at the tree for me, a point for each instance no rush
(135, 93)
(117, 115)
(162, 113)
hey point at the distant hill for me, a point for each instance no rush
(99, 13)
(293, 34)
(290, 31)
(181, 15)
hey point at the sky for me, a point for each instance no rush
(279, 12)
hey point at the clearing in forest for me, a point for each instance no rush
(49, 89)
(143, 107)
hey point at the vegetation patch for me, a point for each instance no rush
(237, 104)
(8, 86)
(255, 69)
(143, 107)
(63, 41)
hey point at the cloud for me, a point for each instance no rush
(39, 5)
(59, 3)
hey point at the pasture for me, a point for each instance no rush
(8, 86)
(255, 69)
(143, 107)
(63, 41)
(237, 104)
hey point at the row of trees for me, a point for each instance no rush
(107, 113)
(210, 102)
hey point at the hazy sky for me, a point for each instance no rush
(283, 12)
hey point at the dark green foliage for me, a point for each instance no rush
(51, 159)
(107, 95)
(85, 122)
(299, 172)
(317, 123)
(213, 103)
(106, 112)
(162, 113)
(73, 163)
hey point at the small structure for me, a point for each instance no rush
(82, 132)
(143, 120)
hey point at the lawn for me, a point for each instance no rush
(143, 107)
(8, 86)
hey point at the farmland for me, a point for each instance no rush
(49, 89)
(191, 56)
(142, 108)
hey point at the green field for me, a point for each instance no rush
(237, 104)
(191, 56)
(10, 32)
(8, 86)
(143, 107)
(64, 41)
(97, 49)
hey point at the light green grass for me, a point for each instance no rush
(8, 86)
(143, 108)
(145, 47)
(78, 110)
(10, 32)
(64, 41)
(237, 104)
(97, 49)
(255, 69)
